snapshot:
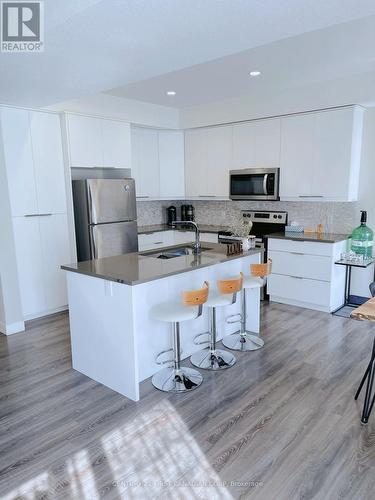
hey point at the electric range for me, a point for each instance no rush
(264, 223)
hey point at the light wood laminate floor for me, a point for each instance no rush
(281, 424)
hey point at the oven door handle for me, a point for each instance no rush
(265, 179)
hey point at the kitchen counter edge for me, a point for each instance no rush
(321, 238)
(79, 268)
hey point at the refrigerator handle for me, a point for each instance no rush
(90, 206)
(94, 252)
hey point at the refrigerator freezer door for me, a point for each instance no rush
(108, 240)
(111, 200)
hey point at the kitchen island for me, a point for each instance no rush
(114, 340)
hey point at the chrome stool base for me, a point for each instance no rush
(213, 359)
(177, 380)
(243, 342)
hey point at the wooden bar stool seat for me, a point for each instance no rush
(225, 295)
(178, 378)
(244, 340)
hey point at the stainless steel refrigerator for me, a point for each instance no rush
(105, 215)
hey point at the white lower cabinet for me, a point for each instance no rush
(181, 237)
(294, 290)
(305, 274)
(160, 239)
(189, 236)
(42, 246)
(29, 264)
(209, 237)
(54, 235)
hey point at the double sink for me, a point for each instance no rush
(172, 253)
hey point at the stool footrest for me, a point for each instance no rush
(197, 342)
(158, 361)
(230, 319)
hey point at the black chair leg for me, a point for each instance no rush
(362, 381)
(370, 376)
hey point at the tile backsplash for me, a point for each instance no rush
(336, 217)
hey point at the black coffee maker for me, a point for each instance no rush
(190, 213)
(171, 215)
(184, 212)
(187, 212)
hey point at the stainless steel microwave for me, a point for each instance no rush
(254, 184)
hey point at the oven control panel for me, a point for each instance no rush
(265, 216)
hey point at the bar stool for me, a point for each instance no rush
(178, 378)
(244, 340)
(212, 358)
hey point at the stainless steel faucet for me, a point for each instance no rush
(197, 244)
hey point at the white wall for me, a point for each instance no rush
(353, 90)
(11, 317)
(132, 111)
(362, 278)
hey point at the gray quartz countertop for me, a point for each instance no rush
(203, 228)
(135, 268)
(322, 238)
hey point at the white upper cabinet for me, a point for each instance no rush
(219, 161)
(208, 159)
(158, 163)
(145, 162)
(195, 162)
(320, 155)
(116, 144)
(96, 142)
(256, 144)
(18, 156)
(243, 145)
(48, 162)
(210, 153)
(34, 161)
(297, 155)
(85, 141)
(338, 153)
(171, 162)
(267, 143)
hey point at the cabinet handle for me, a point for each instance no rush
(158, 242)
(296, 277)
(310, 196)
(37, 215)
(206, 196)
(138, 197)
(296, 253)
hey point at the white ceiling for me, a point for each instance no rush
(96, 45)
(319, 56)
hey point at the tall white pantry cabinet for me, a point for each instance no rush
(33, 161)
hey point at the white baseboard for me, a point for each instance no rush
(11, 328)
(41, 314)
(299, 303)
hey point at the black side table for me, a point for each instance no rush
(348, 279)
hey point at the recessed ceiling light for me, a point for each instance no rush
(171, 92)
(254, 73)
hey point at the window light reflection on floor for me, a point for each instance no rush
(155, 451)
(151, 456)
